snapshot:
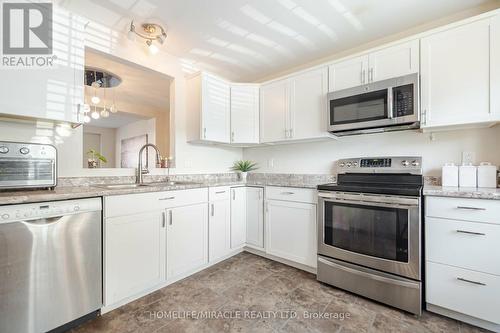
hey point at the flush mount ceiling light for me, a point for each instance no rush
(151, 33)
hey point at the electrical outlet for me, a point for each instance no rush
(468, 157)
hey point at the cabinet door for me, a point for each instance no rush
(394, 61)
(53, 93)
(455, 75)
(308, 104)
(134, 254)
(244, 114)
(219, 229)
(495, 67)
(291, 231)
(274, 106)
(348, 73)
(238, 216)
(187, 239)
(255, 217)
(215, 115)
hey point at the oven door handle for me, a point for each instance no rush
(371, 203)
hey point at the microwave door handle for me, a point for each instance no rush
(390, 103)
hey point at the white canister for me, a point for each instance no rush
(449, 175)
(467, 176)
(487, 175)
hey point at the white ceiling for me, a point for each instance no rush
(116, 120)
(245, 40)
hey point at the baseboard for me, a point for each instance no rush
(462, 317)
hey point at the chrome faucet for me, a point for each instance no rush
(140, 170)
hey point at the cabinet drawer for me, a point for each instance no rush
(120, 205)
(468, 292)
(477, 210)
(291, 194)
(218, 193)
(468, 245)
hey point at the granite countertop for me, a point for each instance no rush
(77, 192)
(462, 192)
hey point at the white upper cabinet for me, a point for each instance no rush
(52, 93)
(208, 102)
(295, 108)
(308, 104)
(394, 61)
(495, 66)
(274, 109)
(348, 73)
(455, 75)
(385, 63)
(244, 114)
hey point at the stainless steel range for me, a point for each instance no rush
(369, 230)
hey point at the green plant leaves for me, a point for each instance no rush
(244, 166)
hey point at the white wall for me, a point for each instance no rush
(319, 157)
(188, 158)
(131, 130)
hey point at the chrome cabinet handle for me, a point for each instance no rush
(170, 219)
(470, 208)
(363, 74)
(212, 209)
(204, 132)
(287, 193)
(287, 134)
(290, 131)
(220, 192)
(232, 136)
(234, 195)
(167, 198)
(163, 219)
(470, 281)
(370, 75)
(471, 232)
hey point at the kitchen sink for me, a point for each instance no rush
(131, 186)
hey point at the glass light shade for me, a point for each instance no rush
(86, 119)
(95, 115)
(95, 100)
(86, 108)
(105, 113)
(153, 49)
(113, 109)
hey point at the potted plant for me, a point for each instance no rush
(93, 157)
(243, 167)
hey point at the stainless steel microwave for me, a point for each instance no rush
(387, 105)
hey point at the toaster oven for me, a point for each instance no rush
(27, 165)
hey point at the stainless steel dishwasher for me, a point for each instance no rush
(50, 264)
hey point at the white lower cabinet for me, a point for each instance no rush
(238, 216)
(187, 236)
(219, 224)
(291, 230)
(134, 254)
(462, 269)
(255, 217)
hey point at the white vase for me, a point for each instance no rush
(243, 176)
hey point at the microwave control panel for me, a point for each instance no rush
(403, 100)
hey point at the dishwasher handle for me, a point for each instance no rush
(44, 221)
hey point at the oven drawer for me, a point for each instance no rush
(291, 194)
(468, 292)
(477, 210)
(386, 288)
(468, 245)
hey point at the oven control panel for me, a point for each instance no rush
(400, 164)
